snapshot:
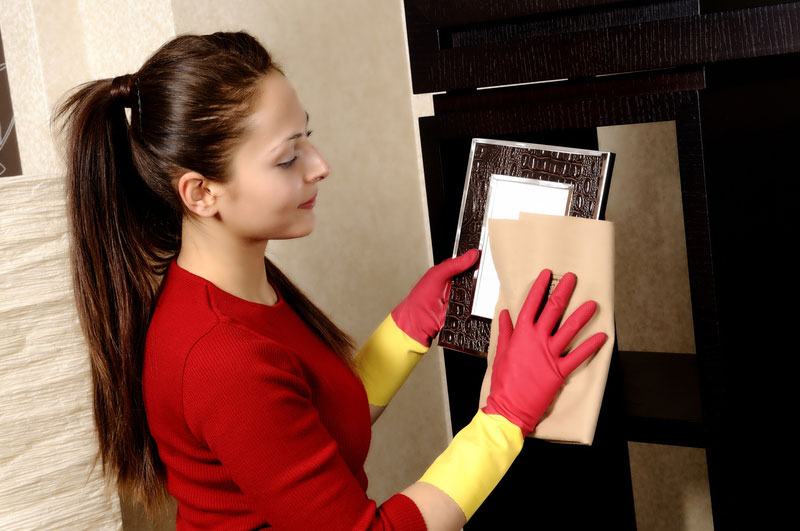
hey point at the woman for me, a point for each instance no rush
(215, 379)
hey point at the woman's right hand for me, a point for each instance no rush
(528, 370)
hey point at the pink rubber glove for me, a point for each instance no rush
(528, 370)
(421, 313)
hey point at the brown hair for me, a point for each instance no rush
(188, 103)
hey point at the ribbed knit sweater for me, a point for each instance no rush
(258, 422)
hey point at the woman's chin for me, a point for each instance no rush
(307, 227)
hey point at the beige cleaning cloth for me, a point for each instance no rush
(520, 250)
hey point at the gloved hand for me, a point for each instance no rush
(526, 374)
(421, 313)
(528, 371)
(398, 343)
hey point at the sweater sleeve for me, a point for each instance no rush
(248, 401)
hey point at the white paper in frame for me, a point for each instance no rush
(507, 197)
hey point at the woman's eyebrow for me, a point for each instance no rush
(296, 135)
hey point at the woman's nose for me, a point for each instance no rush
(322, 169)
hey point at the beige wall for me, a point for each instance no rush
(348, 60)
(371, 236)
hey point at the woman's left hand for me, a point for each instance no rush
(421, 313)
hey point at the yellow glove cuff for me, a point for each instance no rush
(385, 361)
(476, 460)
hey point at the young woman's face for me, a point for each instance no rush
(276, 169)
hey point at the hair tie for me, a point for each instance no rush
(121, 90)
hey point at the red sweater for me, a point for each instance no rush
(258, 422)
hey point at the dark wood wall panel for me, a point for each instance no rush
(728, 74)
(633, 46)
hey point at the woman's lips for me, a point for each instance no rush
(309, 203)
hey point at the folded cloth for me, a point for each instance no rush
(520, 249)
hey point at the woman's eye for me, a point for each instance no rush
(287, 163)
(290, 162)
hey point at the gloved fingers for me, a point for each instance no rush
(444, 303)
(534, 299)
(557, 303)
(572, 326)
(506, 328)
(450, 267)
(581, 353)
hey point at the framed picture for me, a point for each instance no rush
(505, 178)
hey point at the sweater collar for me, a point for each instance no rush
(250, 312)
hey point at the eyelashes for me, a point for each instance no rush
(287, 163)
(290, 162)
